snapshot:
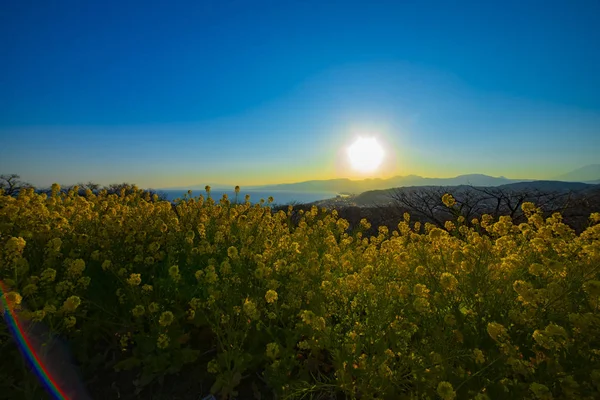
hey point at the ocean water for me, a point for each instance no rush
(280, 198)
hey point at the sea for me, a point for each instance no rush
(279, 197)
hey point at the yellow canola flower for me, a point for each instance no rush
(540, 391)
(48, 275)
(13, 298)
(134, 279)
(250, 309)
(448, 200)
(479, 357)
(446, 391)
(15, 245)
(163, 341)
(448, 281)
(495, 330)
(420, 290)
(69, 322)
(138, 310)
(174, 273)
(106, 265)
(271, 296)
(166, 318)
(76, 267)
(272, 351)
(421, 305)
(232, 252)
(71, 304)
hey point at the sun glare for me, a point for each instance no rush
(365, 155)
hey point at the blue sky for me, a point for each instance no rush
(241, 92)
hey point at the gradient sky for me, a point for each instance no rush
(252, 92)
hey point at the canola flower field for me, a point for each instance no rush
(310, 309)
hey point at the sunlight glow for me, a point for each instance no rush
(365, 154)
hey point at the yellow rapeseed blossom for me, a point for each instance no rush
(250, 309)
(13, 298)
(212, 367)
(191, 314)
(162, 342)
(71, 304)
(528, 208)
(496, 330)
(147, 288)
(536, 269)
(272, 351)
(450, 319)
(49, 309)
(271, 296)
(199, 274)
(436, 233)
(448, 200)
(76, 267)
(420, 290)
(448, 281)
(421, 305)
(174, 273)
(446, 391)
(232, 252)
(69, 321)
(48, 275)
(106, 264)
(134, 279)
(479, 357)
(30, 289)
(38, 315)
(540, 391)
(153, 307)
(15, 245)
(166, 318)
(138, 310)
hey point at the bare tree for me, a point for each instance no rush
(425, 203)
(12, 184)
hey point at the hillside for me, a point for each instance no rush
(384, 196)
(588, 173)
(360, 186)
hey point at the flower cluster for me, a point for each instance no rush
(496, 310)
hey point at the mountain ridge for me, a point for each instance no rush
(591, 173)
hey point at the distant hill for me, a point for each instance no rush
(588, 173)
(213, 186)
(359, 186)
(372, 197)
(549, 186)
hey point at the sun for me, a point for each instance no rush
(365, 154)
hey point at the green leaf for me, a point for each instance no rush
(127, 364)
(189, 355)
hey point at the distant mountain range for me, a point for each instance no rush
(589, 174)
(384, 196)
(350, 186)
